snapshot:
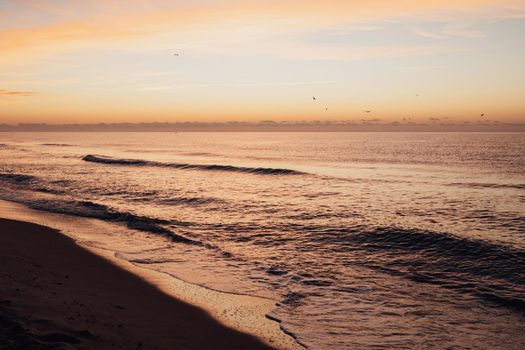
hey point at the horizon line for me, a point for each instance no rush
(372, 125)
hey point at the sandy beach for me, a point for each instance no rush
(55, 294)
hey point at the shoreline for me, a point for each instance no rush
(55, 293)
(241, 318)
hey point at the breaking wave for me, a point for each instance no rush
(205, 167)
(488, 185)
(57, 144)
(99, 211)
(18, 179)
(87, 209)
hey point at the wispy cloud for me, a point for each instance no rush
(421, 68)
(419, 31)
(10, 97)
(81, 24)
(462, 30)
(13, 93)
(360, 53)
(255, 84)
(450, 30)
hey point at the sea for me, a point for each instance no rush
(363, 240)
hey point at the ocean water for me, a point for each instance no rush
(364, 240)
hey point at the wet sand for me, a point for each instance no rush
(56, 294)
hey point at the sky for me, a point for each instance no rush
(76, 61)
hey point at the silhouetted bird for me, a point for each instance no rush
(482, 114)
(368, 111)
(314, 98)
(326, 108)
(176, 54)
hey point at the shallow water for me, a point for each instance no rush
(366, 240)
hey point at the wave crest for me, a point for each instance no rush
(205, 167)
(18, 179)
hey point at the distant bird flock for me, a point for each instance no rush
(326, 108)
(367, 111)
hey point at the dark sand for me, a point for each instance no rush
(56, 295)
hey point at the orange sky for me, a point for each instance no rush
(112, 61)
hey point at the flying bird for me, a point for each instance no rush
(482, 114)
(368, 111)
(176, 54)
(314, 98)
